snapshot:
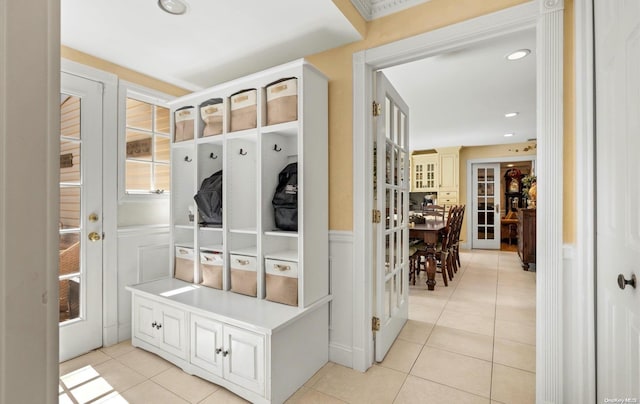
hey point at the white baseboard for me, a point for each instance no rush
(340, 354)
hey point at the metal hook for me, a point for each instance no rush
(242, 152)
(188, 159)
(276, 148)
(213, 156)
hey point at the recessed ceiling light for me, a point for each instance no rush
(508, 134)
(519, 54)
(175, 7)
(509, 165)
(511, 114)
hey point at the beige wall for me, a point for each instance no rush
(337, 65)
(122, 72)
(485, 152)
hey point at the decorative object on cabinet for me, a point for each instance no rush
(243, 110)
(184, 264)
(211, 114)
(527, 237)
(513, 199)
(184, 123)
(527, 182)
(249, 342)
(282, 101)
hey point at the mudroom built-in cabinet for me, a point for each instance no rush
(247, 306)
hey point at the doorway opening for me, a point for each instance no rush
(546, 17)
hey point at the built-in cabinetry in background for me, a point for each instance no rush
(247, 344)
(437, 172)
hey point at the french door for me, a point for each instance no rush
(617, 90)
(391, 202)
(80, 225)
(486, 206)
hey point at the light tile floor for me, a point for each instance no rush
(470, 342)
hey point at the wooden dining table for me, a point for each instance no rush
(429, 231)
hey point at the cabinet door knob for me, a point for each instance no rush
(159, 326)
(622, 282)
(154, 324)
(218, 350)
(225, 353)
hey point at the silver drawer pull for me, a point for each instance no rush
(208, 258)
(242, 262)
(280, 267)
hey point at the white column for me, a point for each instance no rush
(549, 321)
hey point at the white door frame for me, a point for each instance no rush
(530, 157)
(547, 17)
(109, 194)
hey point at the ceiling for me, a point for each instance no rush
(460, 98)
(213, 42)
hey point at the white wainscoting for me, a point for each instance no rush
(143, 255)
(342, 288)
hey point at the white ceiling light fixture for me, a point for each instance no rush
(511, 114)
(175, 7)
(508, 134)
(519, 54)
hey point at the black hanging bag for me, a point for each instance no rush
(285, 199)
(209, 200)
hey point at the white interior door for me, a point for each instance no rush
(80, 264)
(486, 206)
(617, 56)
(391, 234)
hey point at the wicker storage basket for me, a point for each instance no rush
(243, 275)
(243, 110)
(211, 269)
(184, 123)
(282, 101)
(282, 281)
(211, 113)
(184, 264)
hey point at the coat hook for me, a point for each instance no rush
(276, 148)
(213, 156)
(188, 159)
(242, 152)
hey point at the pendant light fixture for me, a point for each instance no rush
(175, 7)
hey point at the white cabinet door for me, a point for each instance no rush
(172, 330)
(206, 344)
(160, 325)
(244, 359)
(143, 320)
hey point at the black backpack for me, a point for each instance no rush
(209, 200)
(285, 199)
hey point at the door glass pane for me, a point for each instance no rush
(69, 116)
(403, 119)
(490, 190)
(69, 207)
(490, 174)
(490, 230)
(481, 189)
(396, 123)
(69, 257)
(481, 174)
(388, 167)
(481, 218)
(481, 233)
(490, 204)
(388, 254)
(139, 114)
(394, 293)
(396, 209)
(69, 299)
(396, 166)
(387, 117)
(69, 161)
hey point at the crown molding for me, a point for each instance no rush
(372, 9)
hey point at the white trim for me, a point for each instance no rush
(136, 231)
(581, 353)
(109, 189)
(373, 9)
(546, 16)
(341, 236)
(469, 233)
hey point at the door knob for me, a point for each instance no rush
(93, 236)
(622, 282)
